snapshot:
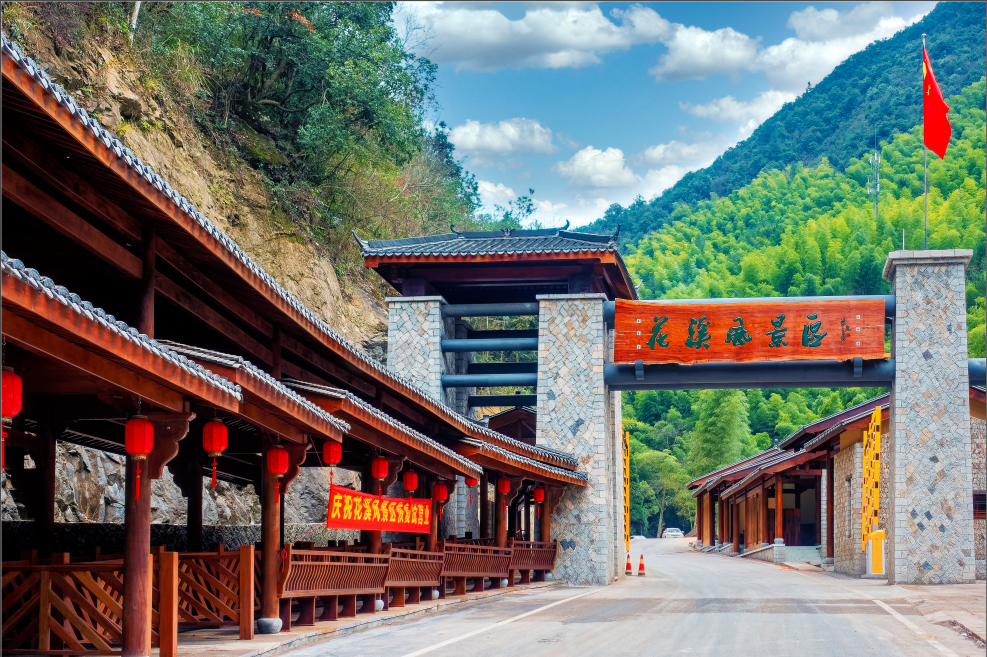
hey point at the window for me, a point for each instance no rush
(979, 505)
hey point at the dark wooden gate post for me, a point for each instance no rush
(44, 522)
(136, 563)
(830, 501)
(484, 506)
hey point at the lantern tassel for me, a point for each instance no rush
(137, 494)
(277, 487)
(538, 511)
(214, 473)
(3, 449)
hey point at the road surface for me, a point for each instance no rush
(688, 604)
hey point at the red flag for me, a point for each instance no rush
(937, 129)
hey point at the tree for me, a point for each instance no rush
(722, 428)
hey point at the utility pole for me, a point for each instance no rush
(875, 162)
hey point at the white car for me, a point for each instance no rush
(672, 532)
(637, 536)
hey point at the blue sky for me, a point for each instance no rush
(596, 103)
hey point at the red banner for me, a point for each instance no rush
(349, 509)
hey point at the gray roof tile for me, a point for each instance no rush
(491, 242)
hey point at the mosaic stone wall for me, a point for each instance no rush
(460, 514)
(930, 521)
(848, 463)
(574, 416)
(415, 329)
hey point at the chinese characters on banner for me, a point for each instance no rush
(349, 509)
(696, 332)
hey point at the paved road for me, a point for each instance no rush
(689, 603)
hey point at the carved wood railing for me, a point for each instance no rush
(414, 568)
(533, 555)
(466, 560)
(214, 590)
(320, 572)
(66, 608)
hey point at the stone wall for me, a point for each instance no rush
(415, 329)
(574, 416)
(930, 522)
(848, 464)
(460, 514)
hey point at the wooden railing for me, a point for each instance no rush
(64, 608)
(215, 591)
(462, 561)
(409, 572)
(528, 556)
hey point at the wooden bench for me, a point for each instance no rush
(532, 556)
(333, 577)
(411, 571)
(466, 560)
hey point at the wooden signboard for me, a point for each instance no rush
(349, 509)
(695, 332)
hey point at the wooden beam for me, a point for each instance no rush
(185, 300)
(145, 307)
(265, 420)
(457, 274)
(333, 370)
(404, 409)
(56, 215)
(37, 340)
(373, 438)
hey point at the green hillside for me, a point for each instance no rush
(876, 91)
(801, 231)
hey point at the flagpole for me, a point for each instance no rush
(925, 153)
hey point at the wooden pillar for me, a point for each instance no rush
(145, 308)
(699, 519)
(276, 353)
(551, 499)
(500, 514)
(193, 519)
(830, 501)
(484, 506)
(44, 522)
(137, 561)
(433, 523)
(270, 520)
(736, 526)
(779, 509)
(512, 512)
(527, 517)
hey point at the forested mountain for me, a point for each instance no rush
(801, 231)
(876, 92)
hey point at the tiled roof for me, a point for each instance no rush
(775, 459)
(46, 286)
(339, 393)
(553, 240)
(236, 362)
(748, 462)
(529, 464)
(12, 50)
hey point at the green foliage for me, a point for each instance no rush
(874, 94)
(722, 433)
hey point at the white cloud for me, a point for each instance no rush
(594, 168)
(695, 54)
(495, 194)
(486, 142)
(657, 181)
(677, 152)
(811, 24)
(477, 36)
(524, 175)
(548, 206)
(745, 114)
(567, 141)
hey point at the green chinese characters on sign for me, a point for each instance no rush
(778, 332)
(657, 337)
(738, 335)
(811, 337)
(698, 333)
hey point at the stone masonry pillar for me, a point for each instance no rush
(414, 341)
(930, 487)
(574, 416)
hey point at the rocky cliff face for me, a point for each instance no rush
(222, 183)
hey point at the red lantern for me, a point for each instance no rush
(277, 464)
(504, 487)
(139, 441)
(539, 497)
(214, 438)
(13, 392)
(378, 470)
(470, 482)
(440, 494)
(332, 452)
(409, 481)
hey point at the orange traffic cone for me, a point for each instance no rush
(629, 571)
(640, 568)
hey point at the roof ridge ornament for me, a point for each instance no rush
(616, 234)
(566, 227)
(452, 227)
(362, 243)
(507, 232)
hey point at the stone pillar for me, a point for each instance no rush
(930, 487)
(848, 464)
(574, 416)
(415, 330)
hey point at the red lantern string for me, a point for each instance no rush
(214, 472)
(137, 495)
